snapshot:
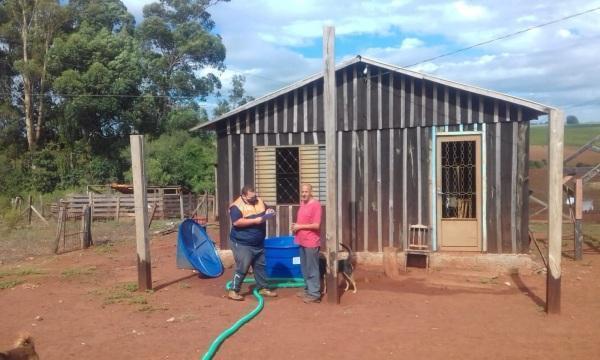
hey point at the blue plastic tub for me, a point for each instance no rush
(283, 257)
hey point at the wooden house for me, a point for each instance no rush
(411, 149)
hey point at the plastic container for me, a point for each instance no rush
(282, 257)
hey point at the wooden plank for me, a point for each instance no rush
(285, 112)
(378, 165)
(391, 179)
(413, 181)
(346, 175)
(354, 98)
(492, 215)
(368, 99)
(555, 171)
(419, 177)
(283, 224)
(424, 160)
(429, 104)
(379, 109)
(390, 101)
(521, 189)
(506, 176)
(514, 190)
(404, 187)
(412, 102)
(305, 109)
(366, 182)
(384, 194)
(141, 213)
(338, 188)
(353, 198)
(359, 193)
(329, 94)
(295, 111)
(404, 112)
(498, 185)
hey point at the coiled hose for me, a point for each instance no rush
(275, 283)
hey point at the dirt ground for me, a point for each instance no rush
(83, 305)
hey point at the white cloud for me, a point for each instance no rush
(557, 64)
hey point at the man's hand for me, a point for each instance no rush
(295, 227)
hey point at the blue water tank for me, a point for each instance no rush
(283, 257)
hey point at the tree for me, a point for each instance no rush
(237, 96)
(572, 120)
(180, 158)
(29, 32)
(178, 45)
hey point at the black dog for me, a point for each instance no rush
(345, 267)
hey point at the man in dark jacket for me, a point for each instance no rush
(248, 215)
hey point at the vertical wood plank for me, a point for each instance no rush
(329, 106)
(144, 267)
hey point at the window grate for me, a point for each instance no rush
(287, 175)
(459, 192)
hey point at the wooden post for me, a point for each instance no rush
(91, 203)
(555, 183)
(189, 204)
(29, 210)
(578, 217)
(59, 228)
(216, 199)
(84, 228)
(118, 210)
(329, 106)
(206, 205)
(161, 195)
(41, 205)
(141, 212)
(181, 214)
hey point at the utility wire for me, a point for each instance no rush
(506, 36)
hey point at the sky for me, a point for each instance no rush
(276, 42)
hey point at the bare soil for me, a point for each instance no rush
(85, 309)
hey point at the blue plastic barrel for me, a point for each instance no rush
(283, 257)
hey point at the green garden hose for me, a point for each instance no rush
(276, 283)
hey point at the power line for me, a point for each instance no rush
(522, 31)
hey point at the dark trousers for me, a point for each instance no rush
(245, 256)
(309, 264)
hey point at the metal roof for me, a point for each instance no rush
(545, 109)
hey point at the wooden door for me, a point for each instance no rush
(459, 192)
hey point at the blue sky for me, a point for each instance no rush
(276, 42)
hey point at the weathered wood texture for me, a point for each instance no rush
(385, 121)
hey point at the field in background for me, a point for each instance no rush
(575, 135)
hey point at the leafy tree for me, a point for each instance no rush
(179, 158)
(572, 120)
(237, 96)
(178, 44)
(29, 30)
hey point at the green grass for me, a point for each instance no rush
(9, 284)
(124, 294)
(21, 272)
(575, 135)
(75, 272)
(106, 248)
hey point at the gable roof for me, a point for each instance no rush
(545, 109)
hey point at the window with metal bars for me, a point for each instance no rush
(280, 170)
(287, 175)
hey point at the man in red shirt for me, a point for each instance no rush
(307, 235)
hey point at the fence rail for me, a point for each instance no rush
(160, 206)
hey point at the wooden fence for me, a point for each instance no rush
(160, 205)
